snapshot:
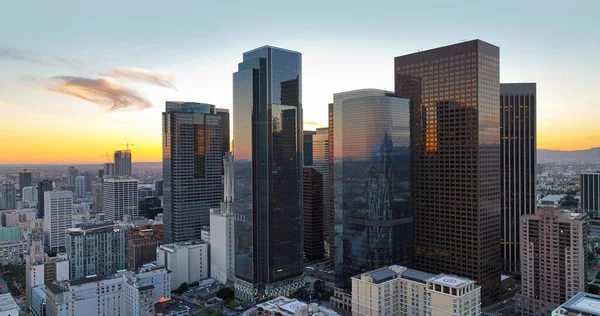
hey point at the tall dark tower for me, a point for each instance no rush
(307, 152)
(43, 186)
(267, 127)
(192, 168)
(224, 114)
(518, 154)
(454, 94)
(24, 180)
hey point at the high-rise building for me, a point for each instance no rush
(312, 199)
(372, 179)
(320, 151)
(192, 168)
(80, 186)
(58, 216)
(96, 249)
(396, 290)
(109, 170)
(122, 159)
(267, 122)
(222, 245)
(226, 138)
(454, 94)
(29, 194)
(307, 151)
(158, 187)
(97, 198)
(518, 160)
(24, 180)
(88, 181)
(43, 186)
(120, 197)
(590, 194)
(72, 174)
(8, 195)
(554, 245)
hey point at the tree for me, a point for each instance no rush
(225, 293)
(593, 288)
(182, 288)
(569, 201)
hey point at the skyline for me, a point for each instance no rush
(57, 85)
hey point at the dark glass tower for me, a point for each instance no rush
(590, 194)
(320, 149)
(24, 180)
(308, 150)
(43, 186)
(313, 213)
(267, 127)
(192, 168)
(373, 208)
(224, 114)
(518, 154)
(454, 94)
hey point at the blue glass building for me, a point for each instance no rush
(267, 130)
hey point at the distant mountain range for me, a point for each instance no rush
(545, 156)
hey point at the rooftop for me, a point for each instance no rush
(381, 275)
(88, 279)
(167, 308)
(451, 280)
(584, 303)
(289, 307)
(184, 244)
(417, 276)
(7, 303)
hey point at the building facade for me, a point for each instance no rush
(590, 194)
(96, 249)
(225, 130)
(192, 168)
(267, 121)
(24, 180)
(72, 174)
(58, 216)
(109, 170)
(8, 195)
(554, 259)
(454, 94)
(80, 186)
(518, 162)
(188, 261)
(43, 186)
(13, 252)
(396, 290)
(312, 195)
(222, 239)
(120, 197)
(122, 161)
(141, 245)
(320, 152)
(372, 180)
(307, 152)
(29, 194)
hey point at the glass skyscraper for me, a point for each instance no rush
(373, 208)
(267, 133)
(192, 168)
(454, 94)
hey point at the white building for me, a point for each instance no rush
(222, 248)
(120, 197)
(8, 307)
(397, 290)
(188, 261)
(292, 307)
(29, 194)
(58, 216)
(581, 304)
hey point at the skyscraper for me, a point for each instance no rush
(58, 216)
(313, 213)
(554, 252)
(72, 173)
(518, 160)
(308, 144)
(320, 150)
(8, 192)
(88, 181)
(24, 180)
(192, 168)
(80, 186)
(158, 187)
(372, 180)
(43, 186)
(97, 197)
(120, 197)
(590, 194)
(222, 255)
(267, 122)
(226, 139)
(455, 138)
(109, 170)
(123, 163)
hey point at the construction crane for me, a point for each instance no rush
(128, 144)
(107, 158)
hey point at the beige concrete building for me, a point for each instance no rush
(397, 290)
(553, 259)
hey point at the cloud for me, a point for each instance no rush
(144, 76)
(35, 58)
(315, 124)
(100, 91)
(22, 55)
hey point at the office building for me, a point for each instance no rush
(8, 195)
(267, 122)
(122, 160)
(12, 252)
(554, 259)
(150, 207)
(88, 180)
(144, 191)
(396, 290)
(307, 151)
(97, 197)
(590, 194)
(12, 218)
(158, 188)
(120, 197)
(283, 306)
(96, 249)
(109, 170)
(39, 268)
(192, 168)
(225, 130)
(222, 245)
(29, 194)
(188, 261)
(8, 306)
(454, 94)
(141, 245)
(24, 180)
(72, 174)
(372, 179)
(582, 304)
(518, 161)
(320, 151)
(13, 233)
(80, 187)
(43, 186)
(312, 199)
(58, 216)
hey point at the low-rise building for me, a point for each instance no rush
(397, 290)
(141, 245)
(11, 218)
(582, 304)
(341, 300)
(12, 252)
(188, 261)
(11, 233)
(292, 307)
(8, 307)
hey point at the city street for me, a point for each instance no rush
(503, 308)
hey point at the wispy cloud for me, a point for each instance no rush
(144, 76)
(100, 91)
(315, 124)
(18, 54)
